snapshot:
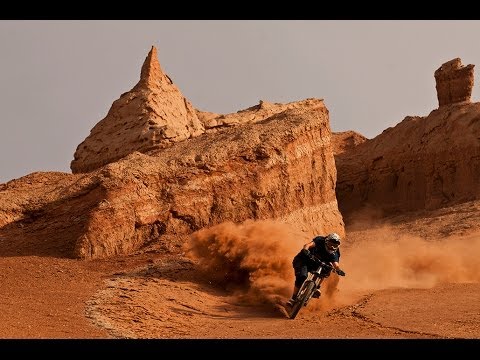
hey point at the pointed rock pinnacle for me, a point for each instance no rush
(153, 115)
(151, 72)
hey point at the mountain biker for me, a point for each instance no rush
(324, 248)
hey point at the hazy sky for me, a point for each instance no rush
(59, 78)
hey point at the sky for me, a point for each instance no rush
(58, 78)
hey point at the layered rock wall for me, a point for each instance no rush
(270, 161)
(422, 163)
(282, 168)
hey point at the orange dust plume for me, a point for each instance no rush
(253, 259)
(399, 260)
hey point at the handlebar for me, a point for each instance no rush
(325, 265)
(320, 262)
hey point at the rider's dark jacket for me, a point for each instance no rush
(319, 251)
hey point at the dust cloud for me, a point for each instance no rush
(392, 259)
(252, 259)
(399, 260)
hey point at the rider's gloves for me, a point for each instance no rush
(340, 272)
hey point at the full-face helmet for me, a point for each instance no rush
(332, 242)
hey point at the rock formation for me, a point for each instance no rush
(346, 141)
(421, 163)
(270, 161)
(454, 82)
(151, 115)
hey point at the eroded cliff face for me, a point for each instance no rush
(270, 161)
(421, 163)
(281, 168)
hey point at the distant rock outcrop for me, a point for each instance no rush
(422, 163)
(346, 141)
(270, 161)
(454, 82)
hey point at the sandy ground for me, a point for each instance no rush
(418, 287)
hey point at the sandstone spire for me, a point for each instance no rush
(154, 114)
(151, 72)
(454, 82)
